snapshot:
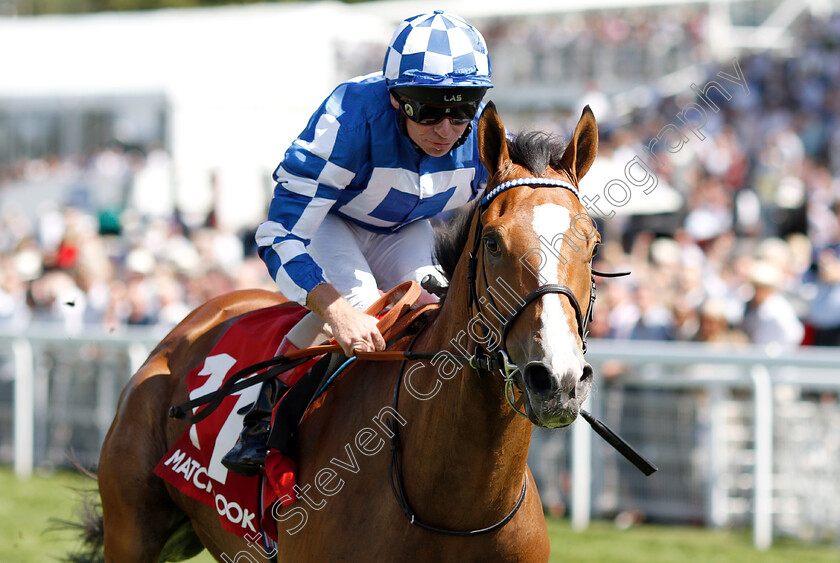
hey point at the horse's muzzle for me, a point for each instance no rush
(552, 399)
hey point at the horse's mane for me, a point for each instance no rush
(534, 150)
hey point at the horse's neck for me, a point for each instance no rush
(472, 443)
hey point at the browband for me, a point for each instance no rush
(536, 182)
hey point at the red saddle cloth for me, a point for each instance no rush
(193, 464)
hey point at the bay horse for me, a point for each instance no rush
(519, 268)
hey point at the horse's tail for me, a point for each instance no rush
(88, 525)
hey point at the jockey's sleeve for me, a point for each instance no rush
(333, 167)
(317, 166)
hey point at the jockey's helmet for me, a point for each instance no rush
(437, 58)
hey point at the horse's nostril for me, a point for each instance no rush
(538, 379)
(587, 372)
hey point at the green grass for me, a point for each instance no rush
(26, 507)
(602, 542)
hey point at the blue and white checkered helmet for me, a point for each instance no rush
(437, 50)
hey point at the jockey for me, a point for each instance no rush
(350, 213)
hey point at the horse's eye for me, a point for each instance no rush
(595, 250)
(492, 245)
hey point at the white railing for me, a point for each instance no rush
(695, 366)
(30, 400)
(30, 363)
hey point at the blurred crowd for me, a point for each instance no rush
(637, 45)
(63, 268)
(752, 256)
(115, 266)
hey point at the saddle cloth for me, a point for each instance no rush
(193, 464)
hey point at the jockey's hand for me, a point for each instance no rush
(352, 329)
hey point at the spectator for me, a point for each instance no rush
(654, 320)
(715, 327)
(824, 276)
(770, 317)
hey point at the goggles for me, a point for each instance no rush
(426, 114)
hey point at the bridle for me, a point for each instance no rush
(473, 300)
(582, 318)
(482, 360)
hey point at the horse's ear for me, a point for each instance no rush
(492, 142)
(581, 151)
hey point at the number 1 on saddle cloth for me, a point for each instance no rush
(248, 455)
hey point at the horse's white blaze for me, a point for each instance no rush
(561, 353)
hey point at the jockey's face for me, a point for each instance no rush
(436, 139)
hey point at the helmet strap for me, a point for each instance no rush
(463, 138)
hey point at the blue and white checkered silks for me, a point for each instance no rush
(353, 161)
(439, 50)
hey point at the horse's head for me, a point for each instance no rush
(536, 238)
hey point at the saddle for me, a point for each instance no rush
(394, 322)
(220, 389)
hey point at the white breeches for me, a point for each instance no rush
(359, 263)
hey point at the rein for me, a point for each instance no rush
(397, 480)
(392, 323)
